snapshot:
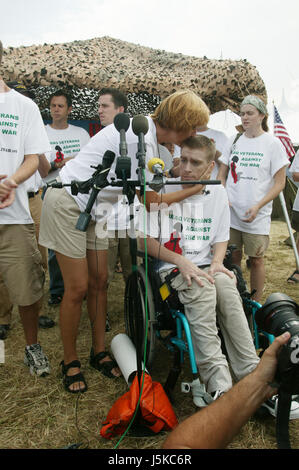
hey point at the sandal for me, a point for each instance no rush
(104, 367)
(68, 380)
(292, 279)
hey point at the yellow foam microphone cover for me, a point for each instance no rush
(155, 161)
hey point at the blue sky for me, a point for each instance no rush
(265, 33)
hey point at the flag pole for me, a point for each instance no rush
(287, 219)
(286, 215)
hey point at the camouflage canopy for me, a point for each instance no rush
(147, 75)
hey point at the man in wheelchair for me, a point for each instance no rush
(191, 237)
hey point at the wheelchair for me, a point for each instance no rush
(154, 313)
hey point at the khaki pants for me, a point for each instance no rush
(200, 308)
(6, 306)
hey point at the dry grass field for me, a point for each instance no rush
(39, 414)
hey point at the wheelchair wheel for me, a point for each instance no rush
(136, 313)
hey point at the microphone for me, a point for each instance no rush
(156, 166)
(140, 128)
(139, 124)
(100, 182)
(122, 124)
(123, 165)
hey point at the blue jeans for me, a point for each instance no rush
(56, 281)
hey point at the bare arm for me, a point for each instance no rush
(279, 184)
(43, 166)
(176, 196)
(295, 176)
(216, 425)
(217, 261)
(8, 185)
(28, 167)
(222, 173)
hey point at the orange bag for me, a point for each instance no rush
(155, 409)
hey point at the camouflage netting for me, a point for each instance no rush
(146, 75)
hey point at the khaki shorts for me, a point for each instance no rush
(21, 264)
(58, 231)
(254, 245)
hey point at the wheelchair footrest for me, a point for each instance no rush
(200, 396)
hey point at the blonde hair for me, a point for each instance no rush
(181, 111)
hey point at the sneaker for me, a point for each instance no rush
(271, 406)
(36, 360)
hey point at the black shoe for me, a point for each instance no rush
(45, 322)
(4, 331)
(55, 300)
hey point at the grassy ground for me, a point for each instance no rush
(38, 413)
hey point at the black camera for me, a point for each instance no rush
(280, 314)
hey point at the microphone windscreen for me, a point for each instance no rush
(155, 161)
(108, 158)
(122, 122)
(139, 124)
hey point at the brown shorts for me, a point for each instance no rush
(21, 264)
(58, 226)
(254, 245)
(295, 220)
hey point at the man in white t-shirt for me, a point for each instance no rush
(66, 141)
(23, 139)
(294, 170)
(220, 140)
(34, 184)
(112, 102)
(192, 235)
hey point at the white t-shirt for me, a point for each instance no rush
(252, 163)
(221, 140)
(294, 168)
(91, 155)
(22, 132)
(67, 141)
(192, 226)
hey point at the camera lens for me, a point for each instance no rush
(278, 314)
